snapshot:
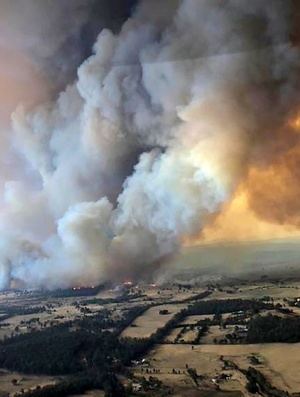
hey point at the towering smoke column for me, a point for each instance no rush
(165, 121)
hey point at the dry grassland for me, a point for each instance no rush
(151, 320)
(215, 332)
(195, 319)
(187, 337)
(280, 363)
(259, 291)
(25, 382)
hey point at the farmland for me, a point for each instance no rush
(151, 320)
(278, 362)
(179, 340)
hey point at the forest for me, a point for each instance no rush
(268, 329)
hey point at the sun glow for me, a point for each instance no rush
(237, 222)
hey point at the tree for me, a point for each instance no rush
(251, 386)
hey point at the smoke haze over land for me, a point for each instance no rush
(185, 109)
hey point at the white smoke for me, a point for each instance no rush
(149, 141)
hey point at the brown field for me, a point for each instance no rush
(188, 336)
(172, 336)
(296, 310)
(201, 317)
(151, 320)
(108, 294)
(195, 319)
(258, 291)
(280, 362)
(215, 332)
(60, 315)
(57, 315)
(25, 382)
(167, 357)
(273, 313)
(189, 392)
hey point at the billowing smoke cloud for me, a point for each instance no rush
(56, 36)
(165, 120)
(40, 53)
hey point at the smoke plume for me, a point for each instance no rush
(168, 118)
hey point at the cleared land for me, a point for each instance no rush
(258, 291)
(188, 335)
(280, 363)
(170, 293)
(30, 322)
(195, 319)
(151, 320)
(13, 382)
(215, 333)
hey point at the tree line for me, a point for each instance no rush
(267, 329)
